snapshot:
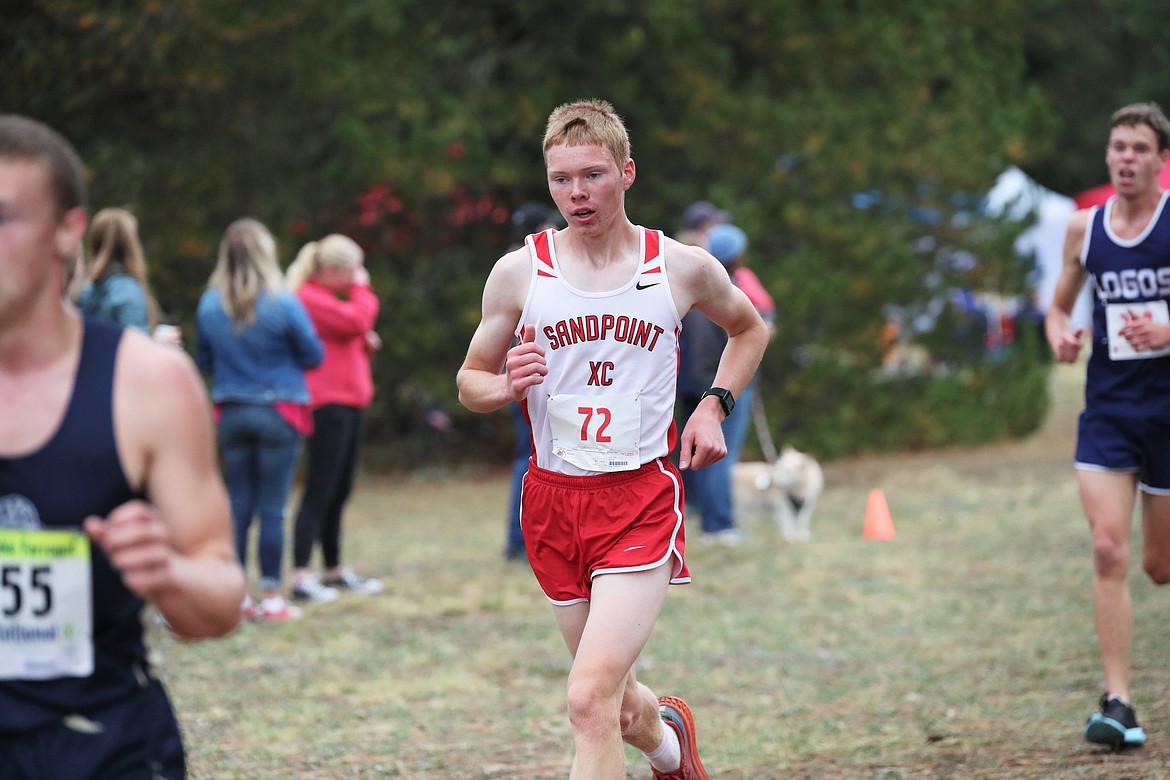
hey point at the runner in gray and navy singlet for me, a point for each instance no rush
(1123, 434)
(1127, 275)
(1125, 425)
(75, 475)
(110, 498)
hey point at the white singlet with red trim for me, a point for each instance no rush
(607, 403)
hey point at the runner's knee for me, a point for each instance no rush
(1110, 559)
(628, 719)
(1157, 567)
(591, 706)
(633, 714)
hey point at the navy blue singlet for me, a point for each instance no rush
(77, 474)
(1127, 272)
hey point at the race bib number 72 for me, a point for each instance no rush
(46, 620)
(596, 433)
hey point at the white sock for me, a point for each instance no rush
(667, 757)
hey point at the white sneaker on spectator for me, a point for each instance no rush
(347, 580)
(309, 588)
(728, 537)
(276, 609)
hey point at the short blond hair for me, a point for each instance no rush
(587, 122)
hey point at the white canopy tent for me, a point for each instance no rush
(1019, 195)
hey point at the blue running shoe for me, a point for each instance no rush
(1115, 725)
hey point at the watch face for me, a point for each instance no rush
(726, 400)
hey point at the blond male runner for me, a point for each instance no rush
(110, 496)
(1123, 436)
(597, 309)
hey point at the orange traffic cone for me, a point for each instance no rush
(878, 525)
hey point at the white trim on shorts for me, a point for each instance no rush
(1142, 486)
(671, 552)
(1082, 466)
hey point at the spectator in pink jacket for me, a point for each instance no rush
(330, 278)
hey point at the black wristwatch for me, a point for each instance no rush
(726, 399)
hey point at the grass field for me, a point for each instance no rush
(962, 648)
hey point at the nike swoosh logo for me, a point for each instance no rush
(636, 546)
(640, 286)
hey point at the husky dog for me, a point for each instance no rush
(792, 485)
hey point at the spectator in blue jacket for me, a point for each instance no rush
(116, 287)
(255, 340)
(114, 284)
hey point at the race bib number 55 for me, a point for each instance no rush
(46, 621)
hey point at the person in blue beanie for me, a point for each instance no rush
(701, 346)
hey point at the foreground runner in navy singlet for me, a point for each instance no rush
(110, 498)
(1123, 438)
(581, 326)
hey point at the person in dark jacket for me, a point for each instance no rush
(701, 345)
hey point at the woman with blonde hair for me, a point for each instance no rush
(255, 340)
(115, 283)
(331, 281)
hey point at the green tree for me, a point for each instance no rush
(415, 126)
